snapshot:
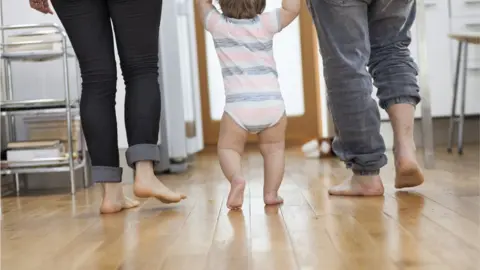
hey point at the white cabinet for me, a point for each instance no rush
(465, 8)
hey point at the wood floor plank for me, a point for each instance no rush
(435, 226)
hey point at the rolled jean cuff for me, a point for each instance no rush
(375, 172)
(104, 174)
(400, 100)
(142, 152)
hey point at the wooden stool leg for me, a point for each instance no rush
(454, 102)
(461, 120)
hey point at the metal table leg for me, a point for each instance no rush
(10, 123)
(461, 119)
(451, 128)
(68, 115)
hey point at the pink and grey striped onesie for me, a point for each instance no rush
(245, 50)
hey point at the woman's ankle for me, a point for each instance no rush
(144, 165)
(112, 189)
(144, 169)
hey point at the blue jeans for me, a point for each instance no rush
(355, 35)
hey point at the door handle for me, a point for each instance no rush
(473, 26)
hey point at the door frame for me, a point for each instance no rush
(300, 128)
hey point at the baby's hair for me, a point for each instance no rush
(242, 9)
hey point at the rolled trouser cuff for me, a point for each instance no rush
(104, 174)
(366, 173)
(142, 152)
(412, 100)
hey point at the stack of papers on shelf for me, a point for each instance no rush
(48, 41)
(35, 151)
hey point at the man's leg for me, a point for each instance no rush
(342, 28)
(394, 73)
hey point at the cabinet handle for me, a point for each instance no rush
(475, 26)
(475, 69)
(471, 2)
(430, 4)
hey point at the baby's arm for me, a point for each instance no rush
(274, 21)
(210, 15)
(289, 11)
(205, 6)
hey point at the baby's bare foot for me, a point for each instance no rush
(235, 197)
(272, 198)
(408, 172)
(147, 185)
(359, 185)
(114, 200)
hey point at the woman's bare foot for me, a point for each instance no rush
(114, 200)
(359, 185)
(147, 185)
(235, 197)
(408, 172)
(272, 198)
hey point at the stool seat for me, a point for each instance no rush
(468, 37)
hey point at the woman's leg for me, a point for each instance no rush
(137, 26)
(88, 26)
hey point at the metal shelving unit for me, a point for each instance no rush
(10, 108)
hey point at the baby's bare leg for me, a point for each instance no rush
(272, 147)
(231, 143)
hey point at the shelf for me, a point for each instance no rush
(34, 56)
(36, 107)
(42, 169)
(37, 112)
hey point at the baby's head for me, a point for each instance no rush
(242, 9)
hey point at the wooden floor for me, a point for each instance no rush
(434, 227)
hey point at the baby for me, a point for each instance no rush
(243, 38)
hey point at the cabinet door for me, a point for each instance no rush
(465, 8)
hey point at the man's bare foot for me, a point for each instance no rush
(408, 172)
(272, 198)
(235, 196)
(114, 200)
(359, 185)
(147, 185)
